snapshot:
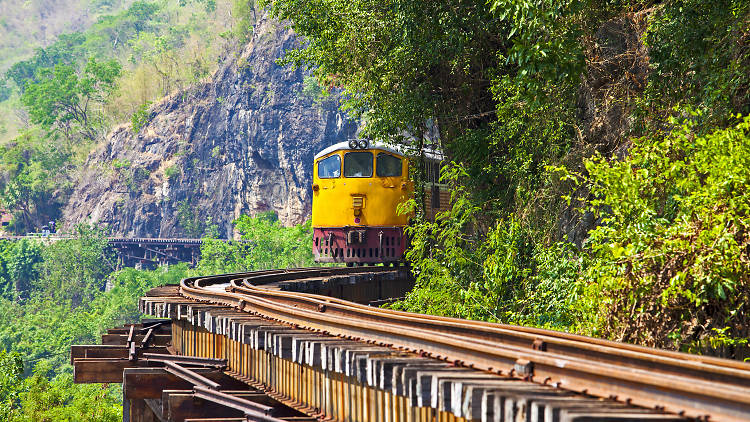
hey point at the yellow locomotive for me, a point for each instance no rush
(357, 186)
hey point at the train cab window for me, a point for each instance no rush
(330, 167)
(387, 165)
(358, 164)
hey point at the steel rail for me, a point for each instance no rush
(532, 334)
(621, 354)
(624, 354)
(666, 380)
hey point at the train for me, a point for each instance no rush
(357, 187)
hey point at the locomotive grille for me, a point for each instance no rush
(356, 236)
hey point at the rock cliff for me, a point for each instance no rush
(242, 143)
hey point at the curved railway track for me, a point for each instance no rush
(694, 386)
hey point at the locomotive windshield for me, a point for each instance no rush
(387, 165)
(358, 164)
(330, 167)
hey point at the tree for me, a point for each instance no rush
(75, 270)
(5, 90)
(11, 371)
(59, 399)
(23, 261)
(66, 50)
(34, 181)
(273, 245)
(65, 100)
(402, 63)
(243, 12)
(270, 245)
(671, 258)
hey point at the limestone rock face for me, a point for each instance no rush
(242, 143)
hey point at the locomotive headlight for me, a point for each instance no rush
(362, 143)
(353, 144)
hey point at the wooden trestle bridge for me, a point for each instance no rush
(304, 345)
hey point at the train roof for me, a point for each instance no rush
(393, 149)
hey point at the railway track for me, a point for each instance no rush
(549, 373)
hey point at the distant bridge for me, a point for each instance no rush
(141, 252)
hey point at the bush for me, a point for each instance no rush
(141, 117)
(75, 269)
(22, 261)
(59, 399)
(312, 90)
(670, 263)
(11, 370)
(499, 274)
(172, 172)
(270, 245)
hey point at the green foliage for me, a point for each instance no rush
(5, 90)
(172, 172)
(107, 33)
(699, 55)
(270, 245)
(545, 39)
(141, 117)
(35, 180)
(44, 326)
(505, 163)
(404, 62)
(312, 90)
(191, 223)
(670, 257)
(74, 270)
(11, 370)
(64, 100)
(244, 14)
(140, 14)
(65, 50)
(500, 275)
(60, 399)
(22, 261)
(40, 399)
(120, 164)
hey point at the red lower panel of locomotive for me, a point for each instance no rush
(366, 245)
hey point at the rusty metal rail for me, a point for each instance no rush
(190, 376)
(693, 386)
(257, 412)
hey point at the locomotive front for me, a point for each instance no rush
(357, 187)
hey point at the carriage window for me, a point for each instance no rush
(432, 171)
(330, 167)
(358, 164)
(387, 165)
